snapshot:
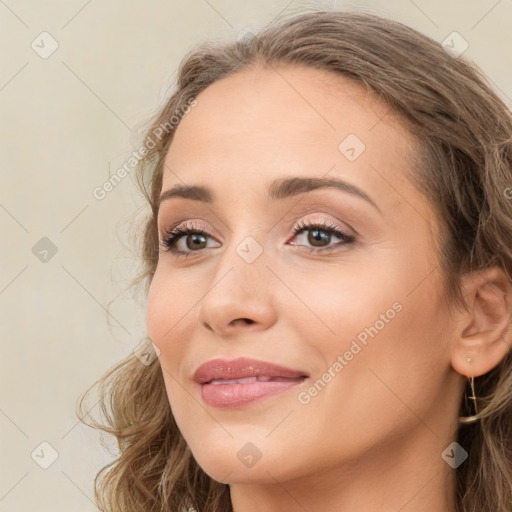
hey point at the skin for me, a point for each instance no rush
(372, 438)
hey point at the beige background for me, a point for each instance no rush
(66, 123)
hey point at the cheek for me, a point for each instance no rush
(169, 303)
(338, 302)
(168, 328)
(392, 339)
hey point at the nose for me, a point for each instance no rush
(239, 296)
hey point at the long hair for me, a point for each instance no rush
(463, 165)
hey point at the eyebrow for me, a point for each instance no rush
(278, 189)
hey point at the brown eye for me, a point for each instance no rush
(194, 237)
(320, 234)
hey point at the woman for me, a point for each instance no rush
(327, 262)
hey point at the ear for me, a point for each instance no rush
(484, 331)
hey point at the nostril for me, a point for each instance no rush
(246, 320)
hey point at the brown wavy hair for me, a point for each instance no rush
(463, 165)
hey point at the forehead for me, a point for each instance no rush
(262, 123)
(298, 103)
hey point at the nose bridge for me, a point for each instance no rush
(243, 265)
(248, 246)
(239, 287)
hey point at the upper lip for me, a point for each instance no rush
(242, 368)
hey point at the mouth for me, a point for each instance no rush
(259, 378)
(243, 368)
(243, 381)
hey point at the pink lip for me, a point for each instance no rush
(238, 394)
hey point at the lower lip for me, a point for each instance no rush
(238, 395)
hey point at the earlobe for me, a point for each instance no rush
(484, 333)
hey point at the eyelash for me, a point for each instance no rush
(173, 235)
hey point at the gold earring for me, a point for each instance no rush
(471, 419)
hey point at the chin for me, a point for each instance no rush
(235, 459)
(235, 473)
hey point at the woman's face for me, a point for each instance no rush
(359, 309)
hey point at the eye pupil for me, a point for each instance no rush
(195, 237)
(318, 235)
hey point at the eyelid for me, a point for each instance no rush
(314, 216)
(187, 223)
(190, 225)
(321, 212)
